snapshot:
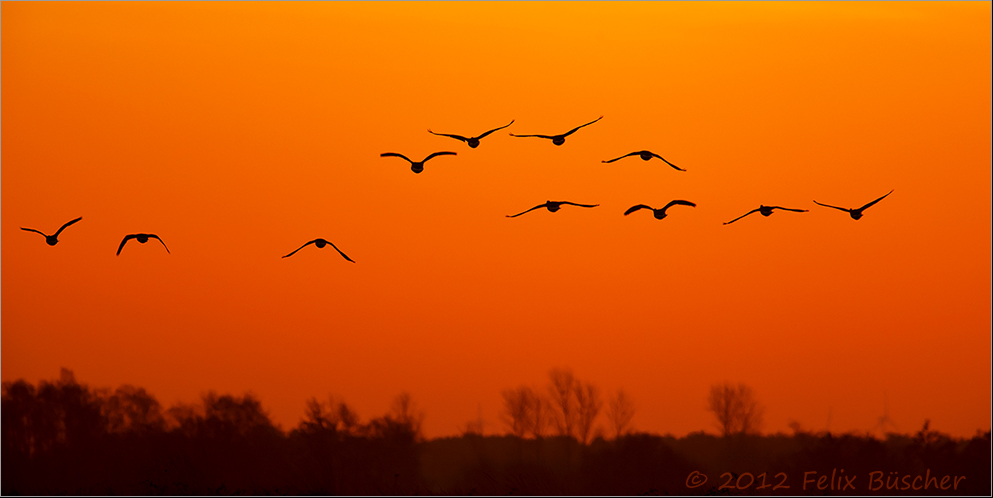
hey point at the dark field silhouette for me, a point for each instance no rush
(62, 437)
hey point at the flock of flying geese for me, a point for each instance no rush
(552, 206)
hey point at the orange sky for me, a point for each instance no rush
(239, 131)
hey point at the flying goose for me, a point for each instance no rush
(553, 206)
(320, 243)
(645, 155)
(416, 167)
(855, 213)
(142, 238)
(560, 139)
(659, 213)
(472, 141)
(765, 211)
(52, 239)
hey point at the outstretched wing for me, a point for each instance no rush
(622, 157)
(532, 209)
(570, 132)
(439, 154)
(873, 202)
(457, 137)
(394, 154)
(339, 252)
(496, 129)
(125, 241)
(635, 208)
(301, 247)
(678, 202)
(67, 224)
(539, 136)
(580, 205)
(742, 216)
(789, 209)
(156, 237)
(836, 207)
(35, 231)
(667, 162)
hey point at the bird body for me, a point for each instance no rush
(765, 211)
(659, 213)
(320, 243)
(473, 142)
(645, 155)
(553, 206)
(855, 213)
(54, 238)
(416, 166)
(141, 238)
(560, 139)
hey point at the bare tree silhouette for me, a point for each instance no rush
(620, 411)
(405, 412)
(735, 407)
(588, 406)
(541, 411)
(518, 407)
(561, 391)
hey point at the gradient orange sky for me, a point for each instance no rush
(239, 131)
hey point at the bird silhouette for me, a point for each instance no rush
(142, 238)
(472, 141)
(553, 206)
(659, 213)
(645, 155)
(856, 213)
(320, 243)
(560, 139)
(415, 166)
(54, 238)
(765, 211)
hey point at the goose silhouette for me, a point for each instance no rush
(765, 211)
(54, 238)
(416, 166)
(855, 213)
(560, 139)
(320, 243)
(472, 141)
(142, 238)
(553, 206)
(645, 155)
(659, 213)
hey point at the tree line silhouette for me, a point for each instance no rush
(63, 437)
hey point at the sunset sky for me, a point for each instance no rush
(239, 131)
